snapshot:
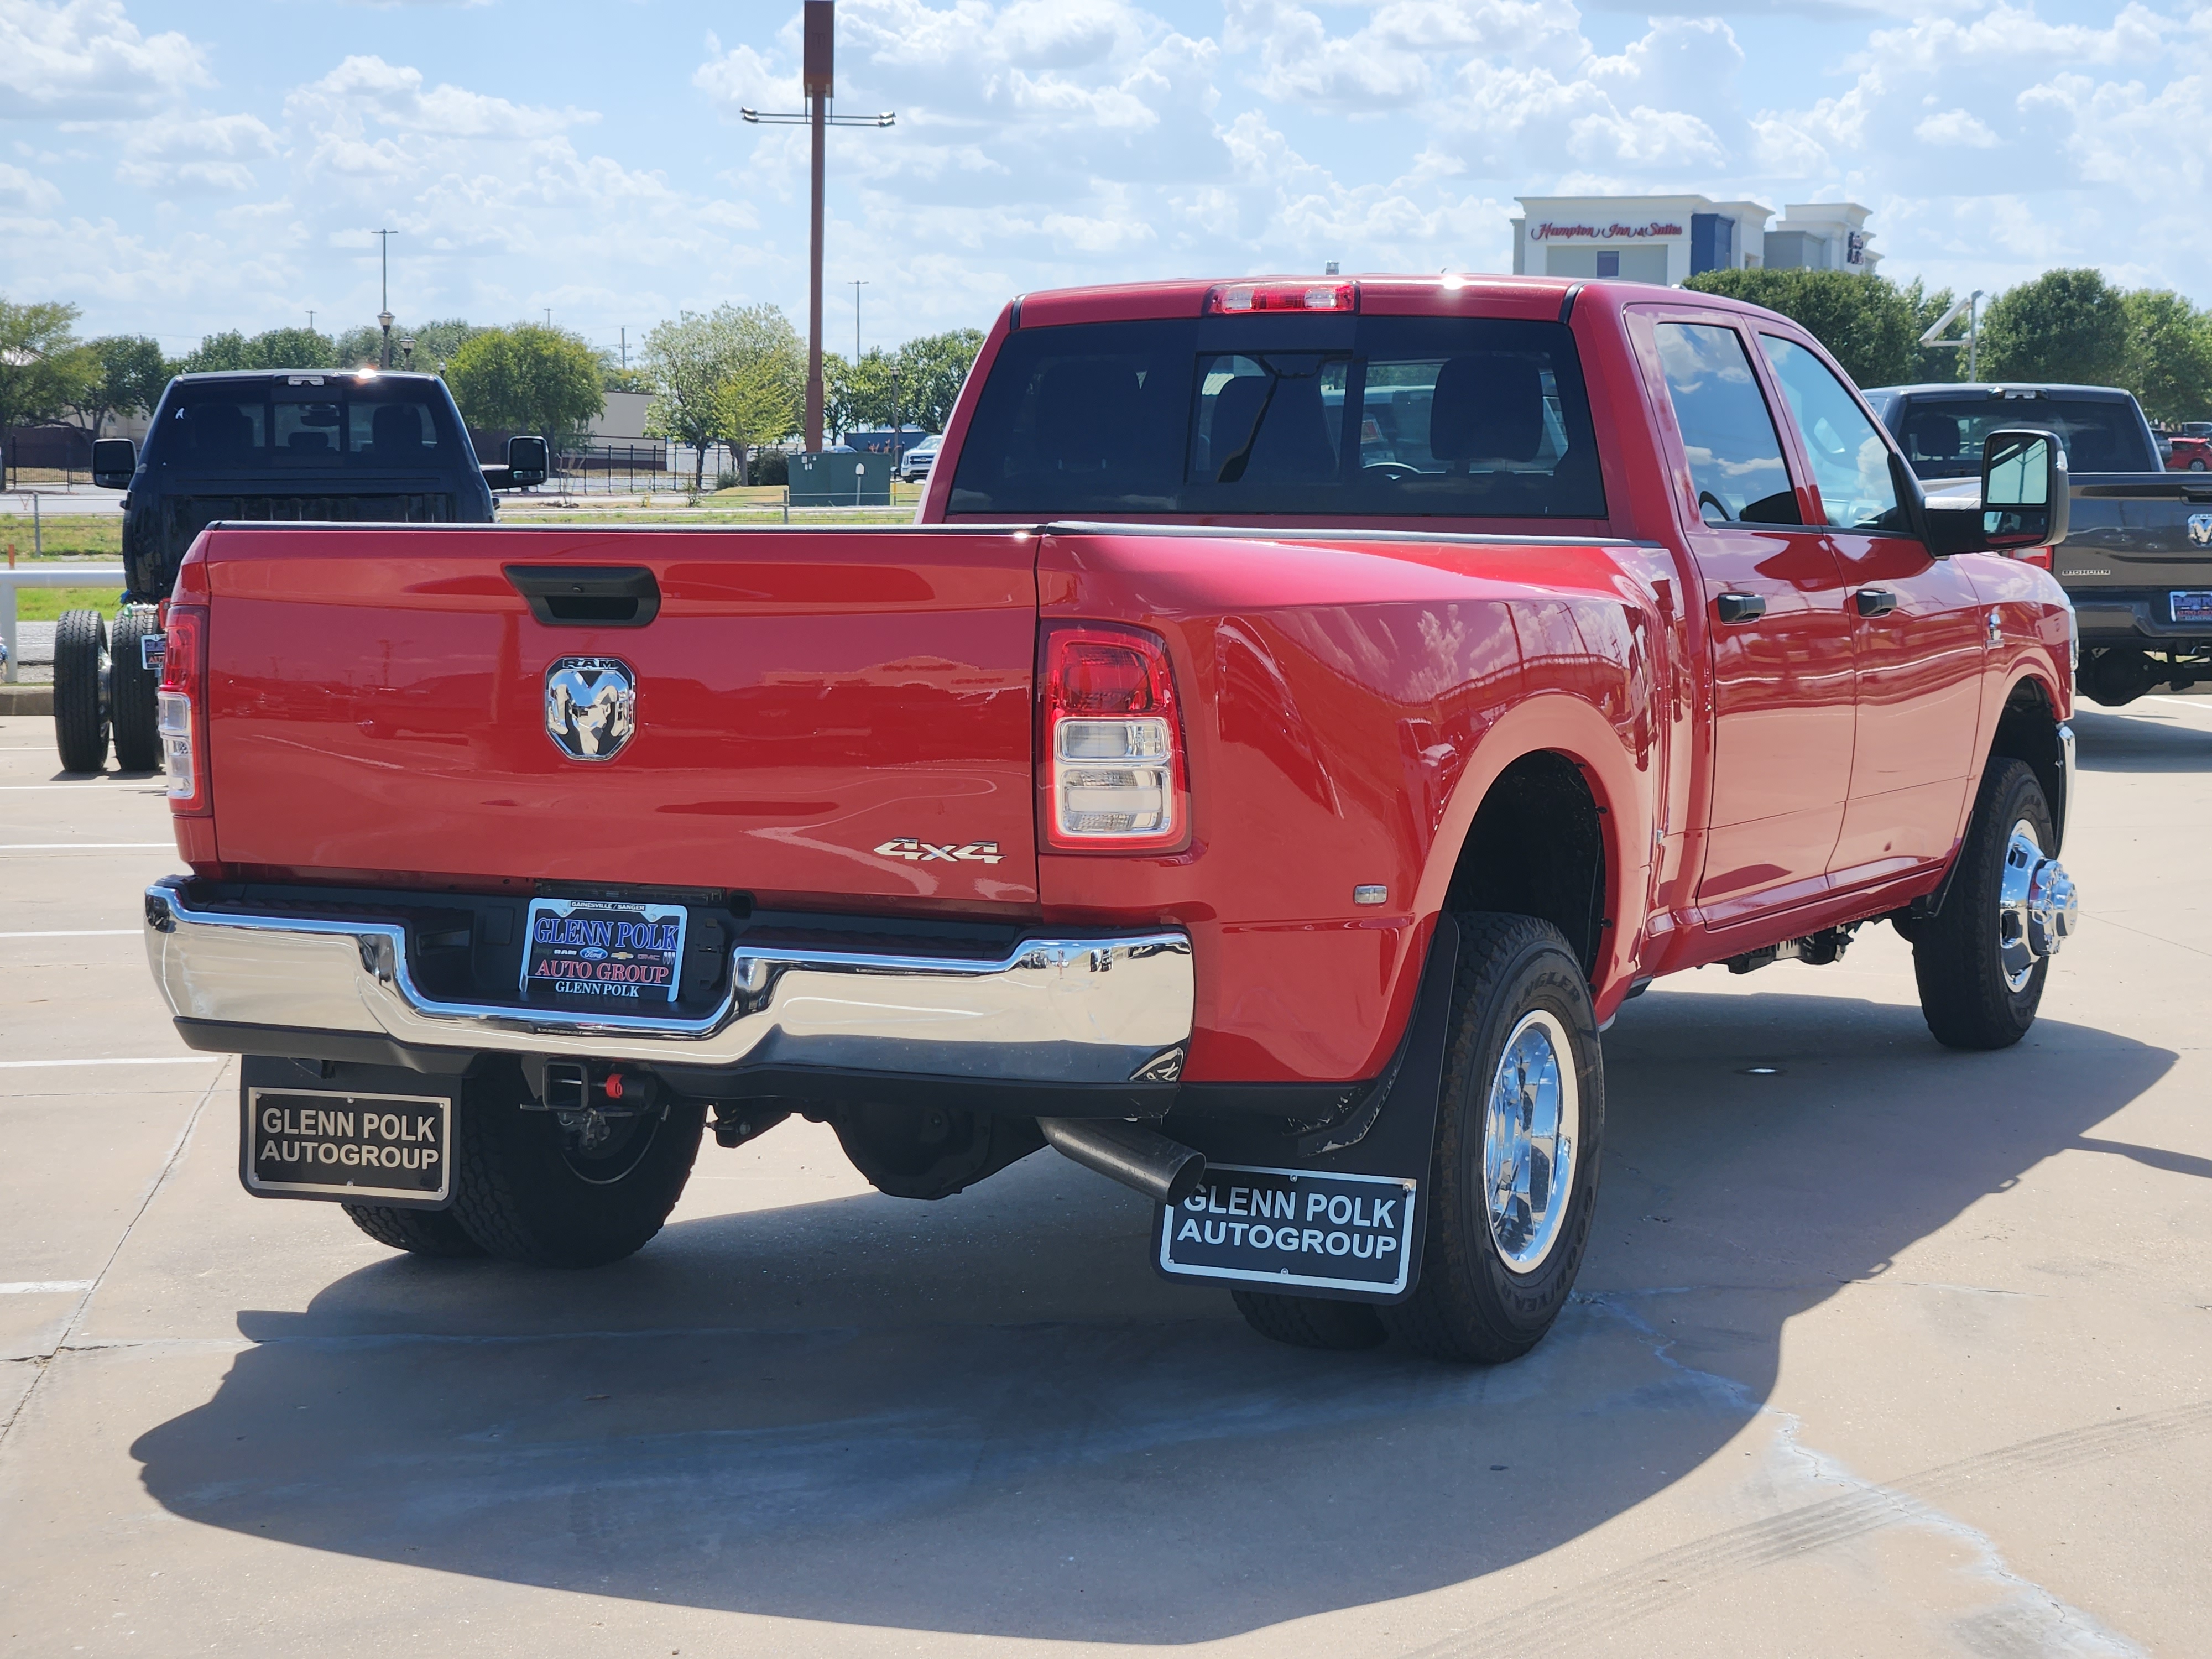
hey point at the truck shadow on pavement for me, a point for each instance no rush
(2149, 738)
(986, 1416)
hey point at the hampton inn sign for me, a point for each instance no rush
(1666, 239)
(1548, 232)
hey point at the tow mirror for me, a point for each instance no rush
(526, 461)
(2024, 490)
(113, 461)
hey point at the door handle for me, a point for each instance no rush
(1874, 601)
(1741, 607)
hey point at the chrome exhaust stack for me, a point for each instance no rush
(1166, 1171)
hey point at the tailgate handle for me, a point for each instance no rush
(589, 595)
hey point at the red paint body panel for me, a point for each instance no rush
(1346, 700)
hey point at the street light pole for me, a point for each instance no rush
(859, 283)
(820, 28)
(384, 316)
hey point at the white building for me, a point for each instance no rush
(1667, 239)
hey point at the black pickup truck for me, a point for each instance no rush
(314, 445)
(2138, 560)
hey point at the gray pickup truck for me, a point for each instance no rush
(2137, 561)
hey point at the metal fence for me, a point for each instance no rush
(640, 468)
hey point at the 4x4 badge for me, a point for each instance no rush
(922, 852)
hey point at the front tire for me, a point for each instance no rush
(528, 1188)
(133, 701)
(81, 676)
(1519, 1129)
(1979, 983)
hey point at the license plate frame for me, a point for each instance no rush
(605, 981)
(2189, 605)
(284, 1131)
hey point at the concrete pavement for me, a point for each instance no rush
(1890, 1351)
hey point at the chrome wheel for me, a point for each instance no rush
(2036, 906)
(1532, 1117)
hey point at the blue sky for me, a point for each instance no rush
(175, 169)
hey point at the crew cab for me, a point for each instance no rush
(1303, 713)
(2137, 565)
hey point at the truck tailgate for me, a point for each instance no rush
(817, 713)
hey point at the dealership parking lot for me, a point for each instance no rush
(1910, 1348)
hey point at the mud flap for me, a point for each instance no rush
(371, 1134)
(1336, 1212)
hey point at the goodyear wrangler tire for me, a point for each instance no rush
(1519, 1129)
(81, 691)
(1309, 1321)
(526, 1189)
(1967, 996)
(423, 1232)
(133, 703)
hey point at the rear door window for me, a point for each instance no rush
(1941, 436)
(1380, 416)
(1729, 434)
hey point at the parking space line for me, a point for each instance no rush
(154, 1059)
(2194, 705)
(45, 1287)
(83, 845)
(81, 933)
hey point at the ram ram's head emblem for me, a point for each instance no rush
(2200, 529)
(591, 707)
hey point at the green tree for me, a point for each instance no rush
(1863, 321)
(722, 377)
(528, 377)
(931, 371)
(2065, 326)
(2169, 355)
(132, 372)
(45, 369)
(275, 348)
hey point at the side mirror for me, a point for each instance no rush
(113, 461)
(527, 462)
(2026, 493)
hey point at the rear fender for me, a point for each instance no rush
(1565, 726)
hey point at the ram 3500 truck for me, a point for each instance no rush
(1302, 715)
(2137, 564)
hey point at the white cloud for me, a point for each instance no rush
(27, 188)
(1957, 128)
(214, 151)
(85, 59)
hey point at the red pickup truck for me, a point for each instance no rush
(1302, 714)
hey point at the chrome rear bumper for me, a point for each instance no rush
(1074, 1010)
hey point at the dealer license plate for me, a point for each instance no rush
(596, 953)
(2192, 605)
(1292, 1230)
(366, 1148)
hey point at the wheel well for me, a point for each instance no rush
(1536, 848)
(2027, 731)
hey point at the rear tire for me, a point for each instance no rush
(132, 694)
(81, 676)
(1523, 1097)
(1968, 997)
(1310, 1322)
(525, 1189)
(423, 1232)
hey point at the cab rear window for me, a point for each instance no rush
(1383, 417)
(307, 422)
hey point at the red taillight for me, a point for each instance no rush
(1111, 769)
(182, 717)
(2038, 556)
(1239, 299)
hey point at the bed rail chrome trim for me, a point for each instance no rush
(1073, 1009)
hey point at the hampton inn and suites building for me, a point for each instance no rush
(1665, 239)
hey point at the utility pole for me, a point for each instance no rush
(820, 33)
(625, 348)
(859, 283)
(311, 322)
(1968, 307)
(384, 316)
